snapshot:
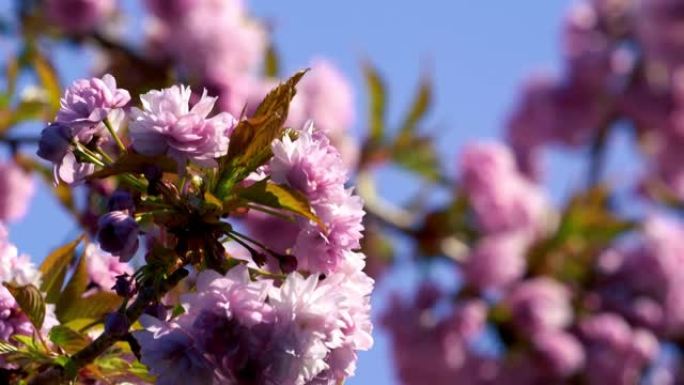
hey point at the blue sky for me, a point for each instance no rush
(477, 53)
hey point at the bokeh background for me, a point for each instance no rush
(476, 52)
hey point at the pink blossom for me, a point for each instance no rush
(87, 102)
(16, 190)
(309, 164)
(103, 268)
(167, 125)
(314, 167)
(304, 331)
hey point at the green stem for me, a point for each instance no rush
(118, 141)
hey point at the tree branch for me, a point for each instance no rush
(56, 375)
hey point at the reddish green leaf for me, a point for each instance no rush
(31, 302)
(54, 267)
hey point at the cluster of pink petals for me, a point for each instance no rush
(87, 102)
(313, 166)
(166, 125)
(304, 331)
(16, 190)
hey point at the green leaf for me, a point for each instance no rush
(48, 79)
(250, 143)
(68, 339)
(31, 302)
(418, 155)
(377, 102)
(419, 108)
(54, 268)
(74, 289)
(94, 306)
(271, 62)
(278, 196)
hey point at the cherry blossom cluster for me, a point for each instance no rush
(294, 316)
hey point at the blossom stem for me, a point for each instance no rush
(112, 132)
(89, 155)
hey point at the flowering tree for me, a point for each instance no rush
(222, 208)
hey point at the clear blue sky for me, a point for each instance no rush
(477, 52)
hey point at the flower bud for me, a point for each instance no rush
(54, 142)
(122, 287)
(118, 234)
(120, 201)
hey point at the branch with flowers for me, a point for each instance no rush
(222, 232)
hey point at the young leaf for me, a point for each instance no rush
(378, 100)
(48, 79)
(419, 108)
(418, 155)
(94, 306)
(271, 63)
(54, 267)
(250, 143)
(277, 196)
(74, 290)
(30, 301)
(68, 339)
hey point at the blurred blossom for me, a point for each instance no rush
(428, 349)
(16, 190)
(658, 27)
(643, 278)
(502, 198)
(211, 39)
(496, 261)
(616, 353)
(539, 305)
(561, 351)
(79, 16)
